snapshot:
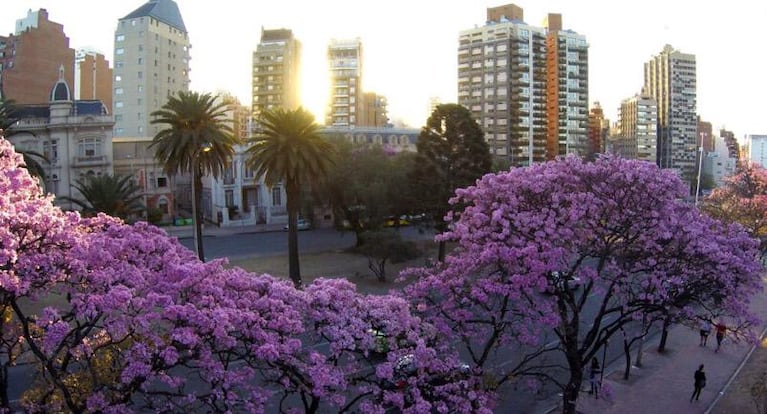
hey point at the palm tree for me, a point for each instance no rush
(289, 149)
(8, 117)
(198, 140)
(113, 195)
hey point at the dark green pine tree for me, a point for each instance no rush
(452, 154)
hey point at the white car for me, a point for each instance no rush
(302, 224)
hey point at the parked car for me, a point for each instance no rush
(405, 367)
(302, 224)
(394, 221)
(558, 279)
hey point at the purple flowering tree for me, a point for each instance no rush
(553, 260)
(117, 318)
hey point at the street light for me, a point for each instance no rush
(700, 167)
(195, 219)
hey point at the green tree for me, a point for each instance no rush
(197, 140)
(116, 196)
(452, 153)
(289, 149)
(385, 245)
(367, 185)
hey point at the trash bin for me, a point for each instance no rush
(189, 221)
(179, 222)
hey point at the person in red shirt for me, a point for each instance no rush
(721, 329)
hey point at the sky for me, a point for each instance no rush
(410, 46)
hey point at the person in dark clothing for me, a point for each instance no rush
(594, 377)
(700, 382)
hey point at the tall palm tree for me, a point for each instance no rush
(113, 195)
(198, 140)
(289, 149)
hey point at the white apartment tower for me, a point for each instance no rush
(345, 98)
(276, 71)
(670, 78)
(151, 63)
(638, 123)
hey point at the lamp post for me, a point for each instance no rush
(700, 167)
(195, 215)
(604, 362)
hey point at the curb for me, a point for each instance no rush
(734, 374)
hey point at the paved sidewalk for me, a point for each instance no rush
(665, 381)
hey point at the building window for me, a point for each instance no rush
(229, 198)
(119, 37)
(118, 104)
(277, 196)
(118, 78)
(140, 75)
(119, 51)
(118, 91)
(140, 61)
(51, 151)
(162, 182)
(89, 147)
(162, 205)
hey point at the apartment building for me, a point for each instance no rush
(527, 86)
(30, 59)
(345, 97)
(670, 78)
(637, 125)
(567, 90)
(276, 71)
(151, 63)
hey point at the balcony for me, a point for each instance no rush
(89, 161)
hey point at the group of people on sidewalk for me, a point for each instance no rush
(705, 330)
(699, 377)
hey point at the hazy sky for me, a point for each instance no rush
(410, 45)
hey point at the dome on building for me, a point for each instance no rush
(60, 91)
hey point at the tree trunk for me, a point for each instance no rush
(664, 334)
(197, 220)
(570, 394)
(293, 203)
(640, 346)
(441, 254)
(4, 401)
(627, 354)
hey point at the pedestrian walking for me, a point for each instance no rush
(721, 329)
(700, 383)
(594, 377)
(705, 329)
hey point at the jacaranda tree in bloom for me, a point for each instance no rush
(743, 199)
(115, 318)
(582, 250)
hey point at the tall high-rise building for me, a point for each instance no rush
(31, 57)
(670, 78)
(374, 112)
(757, 149)
(94, 77)
(276, 71)
(506, 71)
(637, 124)
(151, 63)
(567, 90)
(705, 135)
(733, 148)
(345, 98)
(598, 130)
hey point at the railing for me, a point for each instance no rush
(89, 160)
